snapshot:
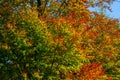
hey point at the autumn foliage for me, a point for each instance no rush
(92, 71)
(58, 40)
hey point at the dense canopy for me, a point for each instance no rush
(58, 40)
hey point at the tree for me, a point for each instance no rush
(49, 39)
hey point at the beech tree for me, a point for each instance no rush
(57, 39)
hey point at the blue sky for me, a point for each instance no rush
(115, 7)
(115, 10)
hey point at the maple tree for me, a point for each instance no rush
(62, 39)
